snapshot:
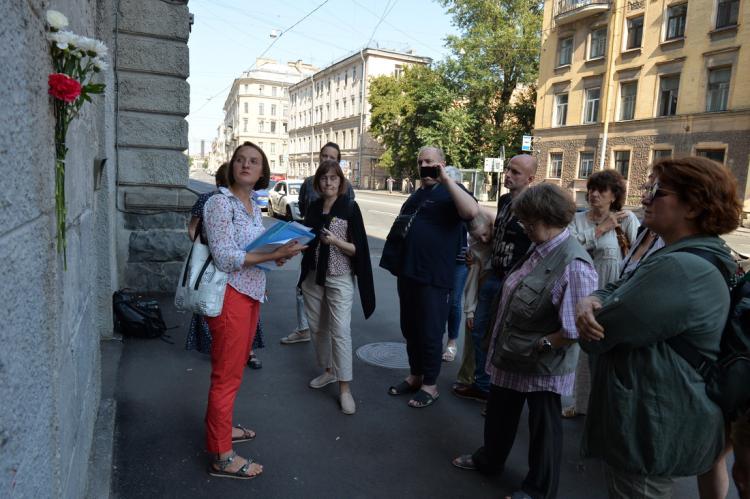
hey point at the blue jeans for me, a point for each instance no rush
(490, 288)
(455, 313)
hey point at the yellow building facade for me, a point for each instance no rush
(624, 82)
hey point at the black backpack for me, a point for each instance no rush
(727, 378)
(137, 316)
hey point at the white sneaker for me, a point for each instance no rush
(324, 379)
(347, 403)
(296, 337)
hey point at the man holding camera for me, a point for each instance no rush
(421, 252)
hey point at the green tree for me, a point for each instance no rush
(416, 109)
(495, 65)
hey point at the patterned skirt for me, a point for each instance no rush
(199, 336)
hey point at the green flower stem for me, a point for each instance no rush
(61, 130)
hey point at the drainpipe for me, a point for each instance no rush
(312, 124)
(606, 82)
(361, 115)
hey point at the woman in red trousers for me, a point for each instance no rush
(233, 220)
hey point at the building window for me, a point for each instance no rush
(273, 147)
(273, 108)
(586, 164)
(260, 108)
(561, 110)
(246, 110)
(635, 32)
(260, 126)
(727, 12)
(598, 43)
(273, 127)
(273, 91)
(668, 87)
(718, 89)
(286, 111)
(260, 89)
(591, 109)
(555, 165)
(676, 16)
(245, 88)
(622, 162)
(244, 125)
(398, 70)
(628, 92)
(337, 109)
(565, 51)
(713, 154)
(661, 154)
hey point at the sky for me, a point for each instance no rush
(228, 35)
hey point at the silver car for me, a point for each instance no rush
(283, 200)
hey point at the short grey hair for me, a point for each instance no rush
(439, 151)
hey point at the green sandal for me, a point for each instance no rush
(222, 472)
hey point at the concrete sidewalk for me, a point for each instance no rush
(308, 447)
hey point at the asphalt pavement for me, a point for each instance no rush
(309, 449)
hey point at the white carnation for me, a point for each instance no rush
(56, 19)
(100, 63)
(63, 39)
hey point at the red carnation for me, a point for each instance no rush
(63, 87)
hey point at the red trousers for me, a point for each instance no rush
(232, 335)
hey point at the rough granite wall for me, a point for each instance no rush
(53, 319)
(152, 136)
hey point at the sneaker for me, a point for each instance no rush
(347, 403)
(296, 337)
(324, 379)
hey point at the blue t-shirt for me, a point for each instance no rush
(428, 255)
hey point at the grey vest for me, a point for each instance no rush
(530, 314)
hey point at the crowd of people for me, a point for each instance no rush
(556, 302)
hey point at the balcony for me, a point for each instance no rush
(568, 11)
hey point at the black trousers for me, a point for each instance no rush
(424, 313)
(504, 408)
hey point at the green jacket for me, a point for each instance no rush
(648, 409)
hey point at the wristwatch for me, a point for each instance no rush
(545, 345)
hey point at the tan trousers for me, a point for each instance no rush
(329, 314)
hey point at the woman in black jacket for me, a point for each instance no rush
(329, 265)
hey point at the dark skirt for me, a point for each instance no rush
(199, 336)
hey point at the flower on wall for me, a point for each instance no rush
(76, 60)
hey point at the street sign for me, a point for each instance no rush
(526, 143)
(489, 163)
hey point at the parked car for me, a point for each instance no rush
(283, 199)
(261, 196)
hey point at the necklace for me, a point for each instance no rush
(597, 222)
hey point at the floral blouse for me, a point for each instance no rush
(338, 262)
(230, 228)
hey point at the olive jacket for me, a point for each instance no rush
(648, 409)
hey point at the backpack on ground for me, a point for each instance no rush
(728, 377)
(137, 316)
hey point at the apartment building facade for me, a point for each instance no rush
(332, 106)
(625, 82)
(257, 110)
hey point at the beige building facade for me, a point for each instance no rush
(332, 106)
(257, 110)
(625, 82)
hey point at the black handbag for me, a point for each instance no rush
(401, 226)
(136, 316)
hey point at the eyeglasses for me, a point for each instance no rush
(653, 191)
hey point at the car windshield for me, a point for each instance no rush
(294, 189)
(271, 183)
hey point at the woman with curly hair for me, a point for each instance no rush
(606, 231)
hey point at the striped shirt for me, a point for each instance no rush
(577, 281)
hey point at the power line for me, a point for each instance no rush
(386, 11)
(264, 53)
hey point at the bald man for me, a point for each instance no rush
(509, 244)
(424, 263)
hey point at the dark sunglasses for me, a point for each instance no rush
(653, 191)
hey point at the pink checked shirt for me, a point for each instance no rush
(577, 281)
(230, 228)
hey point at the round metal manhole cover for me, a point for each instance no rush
(387, 354)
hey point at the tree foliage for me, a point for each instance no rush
(478, 100)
